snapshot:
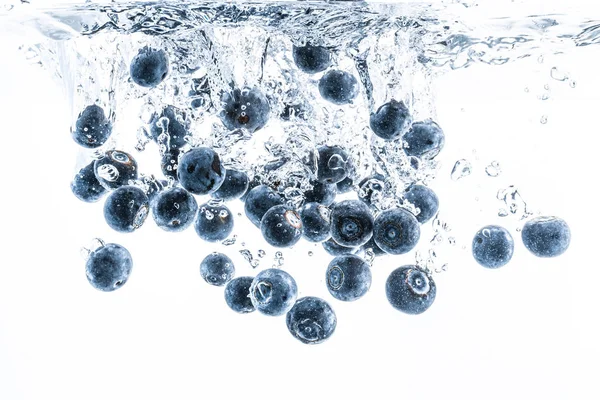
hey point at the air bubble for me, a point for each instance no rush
(462, 168)
(493, 169)
(543, 119)
(230, 241)
(108, 172)
(261, 253)
(558, 75)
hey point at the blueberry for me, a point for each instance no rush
(316, 221)
(234, 185)
(396, 231)
(115, 169)
(546, 236)
(214, 222)
(424, 199)
(126, 208)
(85, 185)
(323, 193)
(371, 245)
(200, 171)
(424, 139)
(260, 200)
(410, 290)
(311, 320)
(370, 189)
(332, 164)
(246, 108)
(169, 163)
(391, 120)
(336, 249)
(345, 185)
(217, 269)
(171, 122)
(351, 223)
(92, 128)
(338, 87)
(281, 226)
(348, 277)
(149, 67)
(108, 267)
(174, 209)
(254, 182)
(493, 246)
(311, 59)
(273, 292)
(237, 294)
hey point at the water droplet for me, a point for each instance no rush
(176, 205)
(502, 212)
(209, 215)
(544, 119)
(108, 172)
(572, 83)
(486, 233)
(310, 253)
(558, 75)
(261, 253)
(230, 241)
(493, 169)
(223, 213)
(540, 59)
(461, 169)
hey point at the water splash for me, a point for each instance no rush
(462, 168)
(513, 203)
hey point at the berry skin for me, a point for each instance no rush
(348, 277)
(245, 108)
(332, 164)
(214, 222)
(200, 171)
(370, 189)
(373, 247)
(108, 267)
(126, 209)
(338, 87)
(85, 185)
(336, 249)
(424, 199)
(345, 185)
(237, 294)
(273, 292)
(251, 185)
(217, 269)
(234, 185)
(323, 193)
(396, 231)
(92, 128)
(170, 163)
(316, 221)
(546, 236)
(351, 223)
(281, 226)
(410, 290)
(311, 320)
(311, 59)
(115, 169)
(168, 121)
(425, 139)
(391, 120)
(493, 246)
(174, 209)
(260, 200)
(149, 67)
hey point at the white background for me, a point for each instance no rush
(527, 331)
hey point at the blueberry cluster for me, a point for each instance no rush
(353, 228)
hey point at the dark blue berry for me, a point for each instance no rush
(260, 200)
(149, 67)
(391, 120)
(115, 169)
(336, 249)
(546, 236)
(493, 246)
(92, 128)
(345, 185)
(85, 185)
(311, 59)
(170, 122)
(234, 185)
(425, 139)
(214, 222)
(316, 222)
(126, 208)
(200, 171)
(237, 294)
(174, 209)
(311, 320)
(245, 108)
(351, 223)
(108, 267)
(348, 277)
(370, 189)
(323, 193)
(338, 87)
(251, 185)
(169, 163)
(273, 292)
(332, 164)
(424, 199)
(410, 290)
(217, 269)
(396, 231)
(281, 226)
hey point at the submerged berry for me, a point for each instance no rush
(311, 320)
(493, 246)
(410, 290)
(546, 236)
(108, 267)
(348, 277)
